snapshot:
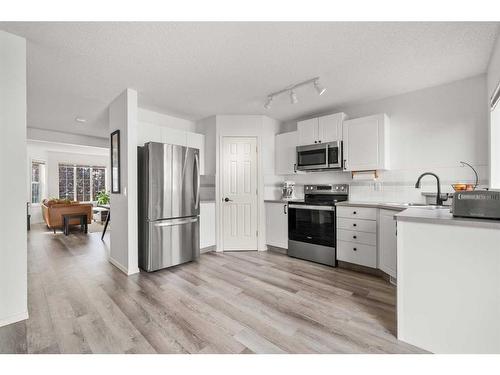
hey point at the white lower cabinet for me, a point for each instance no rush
(207, 224)
(357, 253)
(277, 224)
(367, 237)
(356, 235)
(387, 242)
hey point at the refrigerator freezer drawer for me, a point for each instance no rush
(170, 242)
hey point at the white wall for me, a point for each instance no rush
(13, 243)
(493, 73)
(431, 130)
(123, 250)
(493, 78)
(67, 138)
(264, 129)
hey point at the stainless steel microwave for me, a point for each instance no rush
(322, 156)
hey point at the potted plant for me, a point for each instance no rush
(103, 199)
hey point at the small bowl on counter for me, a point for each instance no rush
(463, 187)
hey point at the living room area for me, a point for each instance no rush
(68, 190)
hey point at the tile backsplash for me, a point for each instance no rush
(390, 186)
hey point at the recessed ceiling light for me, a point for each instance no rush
(81, 120)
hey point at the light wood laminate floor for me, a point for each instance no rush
(238, 302)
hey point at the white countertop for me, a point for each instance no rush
(385, 205)
(443, 216)
(282, 200)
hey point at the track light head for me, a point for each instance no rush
(293, 97)
(269, 102)
(320, 89)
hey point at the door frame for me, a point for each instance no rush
(219, 241)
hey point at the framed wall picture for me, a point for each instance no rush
(115, 162)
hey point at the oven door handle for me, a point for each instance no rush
(311, 207)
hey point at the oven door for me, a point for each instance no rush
(334, 155)
(312, 157)
(312, 224)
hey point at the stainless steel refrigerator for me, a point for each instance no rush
(169, 205)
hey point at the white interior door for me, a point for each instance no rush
(239, 193)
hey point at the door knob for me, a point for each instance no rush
(227, 200)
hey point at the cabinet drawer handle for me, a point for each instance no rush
(354, 212)
(354, 237)
(354, 225)
(354, 249)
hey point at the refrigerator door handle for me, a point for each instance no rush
(197, 199)
(173, 222)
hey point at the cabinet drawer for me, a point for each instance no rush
(366, 238)
(357, 212)
(357, 225)
(365, 255)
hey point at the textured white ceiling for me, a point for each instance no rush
(194, 70)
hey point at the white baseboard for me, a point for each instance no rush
(134, 271)
(207, 249)
(122, 268)
(14, 319)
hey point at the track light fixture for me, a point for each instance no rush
(268, 102)
(291, 91)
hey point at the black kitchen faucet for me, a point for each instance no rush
(439, 200)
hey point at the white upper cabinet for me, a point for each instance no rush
(330, 127)
(387, 242)
(147, 132)
(320, 129)
(286, 153)
(308, 132)
(366, 143)
(173, 136)
(196, 140)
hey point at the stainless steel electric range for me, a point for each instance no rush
(312, 223)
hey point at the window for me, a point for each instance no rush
(67, 182)
(37, 181)
(81, 182)
(495, 139)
